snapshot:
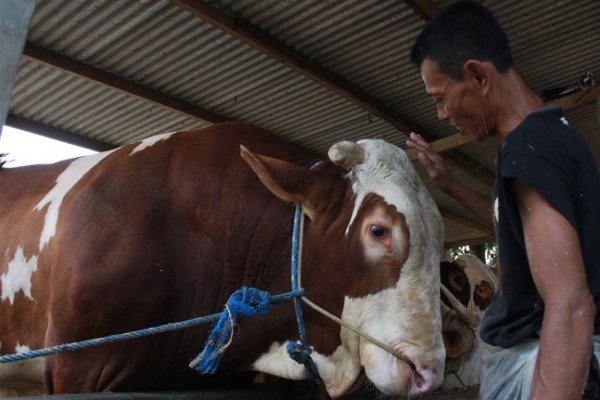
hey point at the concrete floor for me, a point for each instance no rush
(258, 392)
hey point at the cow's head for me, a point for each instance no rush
(468, 287)
(372, 248)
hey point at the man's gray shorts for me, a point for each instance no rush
(507, 373)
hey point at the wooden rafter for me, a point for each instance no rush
(578, 98)
(573, 100)
(478, 232)
(425, 9)
(260, 40)
(89, 72)
(482, 229)
(470, 241)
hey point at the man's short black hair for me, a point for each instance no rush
(460, 32)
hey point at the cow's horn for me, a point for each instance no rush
(346, 154)
(461, 311)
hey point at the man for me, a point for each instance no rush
(545, 209)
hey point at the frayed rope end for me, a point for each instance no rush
(244, 302)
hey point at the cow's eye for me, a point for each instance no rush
(378, 231)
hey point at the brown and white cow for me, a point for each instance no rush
(166, 229)
(472, 284)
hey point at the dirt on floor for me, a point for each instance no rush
(275, 391)
(469, 393)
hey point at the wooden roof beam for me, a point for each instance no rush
(567, 102)
(577, 99)
(483, 233)
(425, 9)
(260, 40)
(56, 60)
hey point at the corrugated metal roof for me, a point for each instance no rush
(158, 45)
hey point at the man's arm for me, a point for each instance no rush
(438, 173)
(555, 260)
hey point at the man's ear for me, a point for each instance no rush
(477, 71)
(290, 182)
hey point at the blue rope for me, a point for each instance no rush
(250, 302)
(244, 302)
(295, 275)
(69, 347)
(300, 352)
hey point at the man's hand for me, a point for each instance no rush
(432, 162)
(435, 166)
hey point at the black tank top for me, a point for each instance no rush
(544, 152)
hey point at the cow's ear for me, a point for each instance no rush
(286, 180)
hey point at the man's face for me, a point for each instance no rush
(461, 103)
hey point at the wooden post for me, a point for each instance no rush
(15, 16)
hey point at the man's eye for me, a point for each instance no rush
(378, 231)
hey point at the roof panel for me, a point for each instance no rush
(364, 43)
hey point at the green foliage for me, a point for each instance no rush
(487, 252)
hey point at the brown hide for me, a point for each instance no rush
(166, 234)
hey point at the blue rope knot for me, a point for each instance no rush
(301, 354)
(244, 302)
(298, 352)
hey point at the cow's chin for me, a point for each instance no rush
(393, 376)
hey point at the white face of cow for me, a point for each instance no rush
(405, 317)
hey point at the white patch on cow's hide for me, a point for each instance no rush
(338, 371)
(277, 362)
(150, 141)
(64, 183)
(20, 349)
(18, 276)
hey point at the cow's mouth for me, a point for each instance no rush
(423, 378)
(405, 372)
(407, 361)
(359, 382)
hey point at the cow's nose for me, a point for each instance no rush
(425, 379)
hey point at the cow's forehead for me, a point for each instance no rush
(385, 162)
(475, 270)
(387, 172)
